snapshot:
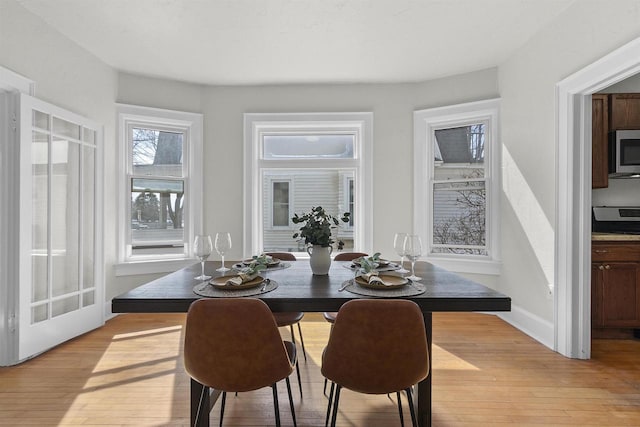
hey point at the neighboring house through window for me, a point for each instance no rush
(161, 188)
(457, 185)
(297, 161)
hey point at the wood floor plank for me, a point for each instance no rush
(485, 373)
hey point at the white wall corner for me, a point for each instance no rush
(536, 327)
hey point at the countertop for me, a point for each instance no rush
(616, 237)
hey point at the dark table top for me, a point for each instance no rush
(299, 290)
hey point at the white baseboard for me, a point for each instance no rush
(536, 327)
(108, 315)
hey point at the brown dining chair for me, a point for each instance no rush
(290, 318)
(330, 316)
(233, 345)
(376, 347)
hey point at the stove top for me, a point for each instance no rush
(616, 219)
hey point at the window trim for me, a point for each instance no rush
(255, 124)
(426, 122)
(192, 164)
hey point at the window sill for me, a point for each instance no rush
(474, 266)
(133, 268)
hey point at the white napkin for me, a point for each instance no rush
(373, 278)
(240, 279)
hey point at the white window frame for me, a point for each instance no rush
(191, 125)
(346, 179)
(272, 180)
(426, 122)
(256, 125)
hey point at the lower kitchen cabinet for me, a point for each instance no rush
(615, 285)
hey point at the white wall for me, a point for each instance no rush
(64, 75)
(392, 104)
(583, 33)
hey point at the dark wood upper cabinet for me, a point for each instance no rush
(599, 140)
(625, 111)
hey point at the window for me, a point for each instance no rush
(280, 205)
(160, 186)
(457, 184)
(297, 161)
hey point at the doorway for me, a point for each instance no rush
(572, 303)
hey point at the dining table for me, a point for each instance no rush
(293, 287)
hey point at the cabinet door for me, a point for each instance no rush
(599, 141)
(596, 295)
(625, 111)
(621, 294)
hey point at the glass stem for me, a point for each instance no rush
(223, 261)
(202, 265)
(402, 261)
(413, 268)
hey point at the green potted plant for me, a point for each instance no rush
(316, 232)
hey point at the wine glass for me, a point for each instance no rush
(223, 244)
(413, 251)
(202, 249)
(398, 245)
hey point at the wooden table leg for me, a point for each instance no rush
(423, 396)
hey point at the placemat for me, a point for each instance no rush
(282, 265)
(206, 290)
(410, 290)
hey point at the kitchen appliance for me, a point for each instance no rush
(616, 219)
(624, 153)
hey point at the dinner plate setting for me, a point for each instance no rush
(383, 285)
(233, 286)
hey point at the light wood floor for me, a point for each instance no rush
(485, 373)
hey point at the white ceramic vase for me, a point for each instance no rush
(320, 259)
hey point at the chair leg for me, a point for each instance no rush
(203, 393)
(400, 409)
(414, 422)
(299, 380)
(224, 400)
(304, 352)
(293, 411)
(275, 404)
(324, 389)
(335, 405)
(326, 420)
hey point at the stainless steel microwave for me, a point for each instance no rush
(624, 152)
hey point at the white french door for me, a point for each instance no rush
(60, 274)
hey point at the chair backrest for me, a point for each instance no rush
(282, 256)
(349, 256)
(377, 346)
(233, 344)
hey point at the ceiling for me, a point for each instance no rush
(240, 42)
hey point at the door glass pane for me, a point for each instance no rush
(40, 120)
(157, 216)
(88, 213)
(280, 204)
(64, 305)
(39, 210)
(156, 153)
(39, 313)
(307, 188)
(65, 128)
(88, 298)
(65, 182)
(459, 217)
(320, 146)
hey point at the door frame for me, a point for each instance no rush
(572, 301)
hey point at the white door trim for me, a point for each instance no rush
(572, 308)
